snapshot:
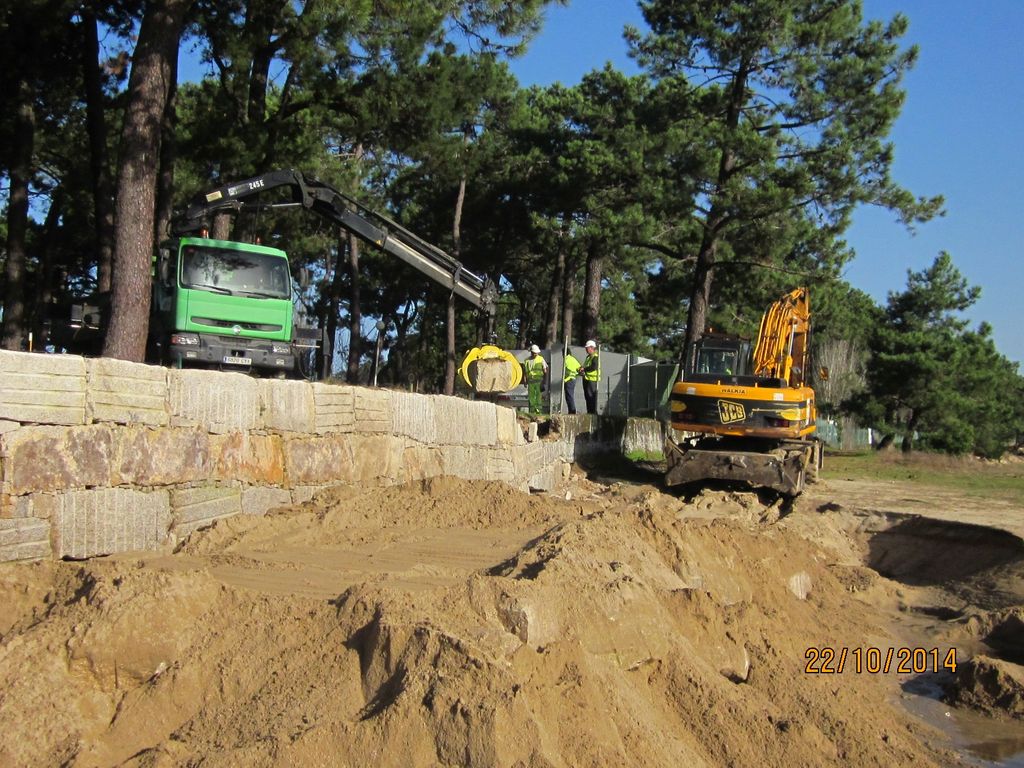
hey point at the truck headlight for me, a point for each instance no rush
(281, 349)
(187, 339)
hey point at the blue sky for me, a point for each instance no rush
(959, 136)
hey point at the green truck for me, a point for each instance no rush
(225, 304)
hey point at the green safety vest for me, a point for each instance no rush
(534, 368)
(572, 368)
(592, 368)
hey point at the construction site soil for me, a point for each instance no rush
(456, 623)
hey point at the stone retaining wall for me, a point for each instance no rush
(100, 456)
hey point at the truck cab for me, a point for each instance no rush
(220, 303)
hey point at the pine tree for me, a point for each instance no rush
(785, 106)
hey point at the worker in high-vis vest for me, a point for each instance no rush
(572, 372)
(591, 375)
(535, 370)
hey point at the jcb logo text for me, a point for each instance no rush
(730, 412)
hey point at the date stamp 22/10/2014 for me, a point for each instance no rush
(827, 660)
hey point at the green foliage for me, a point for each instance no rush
(930, 378)
(784, 106)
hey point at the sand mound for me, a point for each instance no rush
(450, 623)
(992, 686)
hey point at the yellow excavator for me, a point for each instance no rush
(748, 415)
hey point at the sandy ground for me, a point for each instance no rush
(456, 623)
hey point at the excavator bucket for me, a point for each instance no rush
(490, 369)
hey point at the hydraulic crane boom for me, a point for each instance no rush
(345, 211)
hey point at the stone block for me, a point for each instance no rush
(218, 402)
(493, 375)
(287, 406)
(195, 508)
(643, 436)
(546, 478)
(333, 408)
(413, 416)
(15, 506)
(126, 393)
(372, 409)
(107, 520)
(247, 457)
(304, 493)
(508, 430)
(500, 467)
(24, 539)
(318, 460)
(42, 389)
(527, 459)
(259, 500)
(467, 462)
(57, 458)
(377, 459)
(161, 456)
(465, 422)
(420, 462)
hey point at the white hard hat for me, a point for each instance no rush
(535, 349)
(590, 343)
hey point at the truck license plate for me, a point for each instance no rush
(229, 360)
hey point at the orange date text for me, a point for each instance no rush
(872, 660)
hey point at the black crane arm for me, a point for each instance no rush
(347, 212)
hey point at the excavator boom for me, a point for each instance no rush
(781, 349)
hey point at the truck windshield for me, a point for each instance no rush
(243, 273)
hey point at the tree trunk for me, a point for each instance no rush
(592, 291)
(335, 283)
(355, 312)
(449, 360)
(148, 89)
(908, 435)
(220, 226)
(20, 175)
(43, 294)
(555, 299)
(99, 161)
(700, 299)
(568, 297)
(168, 156)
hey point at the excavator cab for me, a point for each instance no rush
(721, 355)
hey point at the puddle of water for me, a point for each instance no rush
(987, 741)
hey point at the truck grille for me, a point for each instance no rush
(214, 323)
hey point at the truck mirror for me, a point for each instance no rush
(164, 270)
(304, 278)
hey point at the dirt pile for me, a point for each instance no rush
(452, 623)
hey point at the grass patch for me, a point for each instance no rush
(968, 475)
(649, 457)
